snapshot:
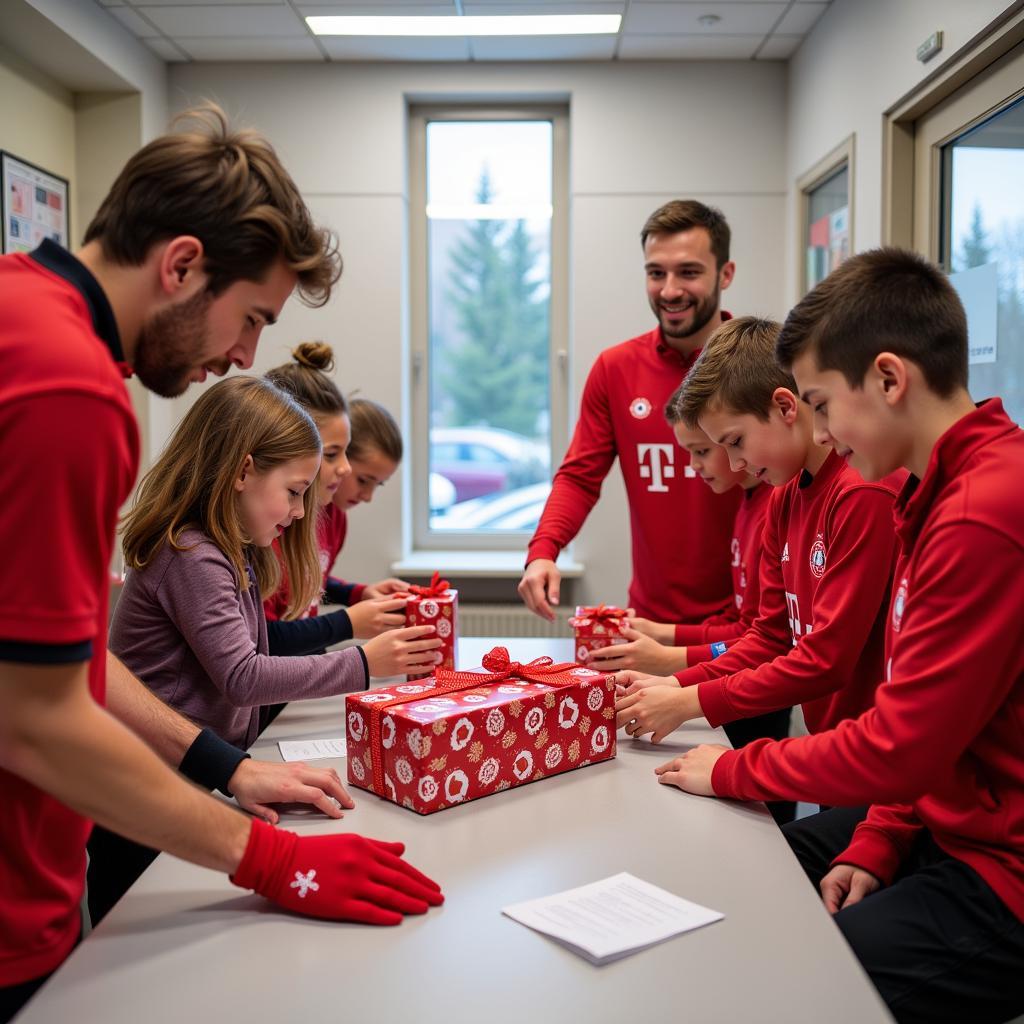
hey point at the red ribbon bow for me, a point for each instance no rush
(499, 666)
(436, 588)
(601, 612)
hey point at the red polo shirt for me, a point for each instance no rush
(70, 455)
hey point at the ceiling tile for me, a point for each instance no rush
(257, 48)
(676, 47)
(674, 18)
(800, 18)
(165, 50)
(544, 47)
(208, 3)
(779, 47)
(395, 48)
(133, 21)
(497, 7)
(231, 20)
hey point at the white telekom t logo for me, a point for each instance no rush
(660, 468)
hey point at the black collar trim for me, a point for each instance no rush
(58, 260)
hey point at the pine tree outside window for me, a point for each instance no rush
(488, 233)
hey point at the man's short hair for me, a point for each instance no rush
(883, 300)
(226, 187)
(685, 215)
(736, 371)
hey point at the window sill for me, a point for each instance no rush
(479, 564)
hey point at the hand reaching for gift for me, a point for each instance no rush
(372, 617)
(384, 588)
(659, 710)
(405, 651)
(642, 653)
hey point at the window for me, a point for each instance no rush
(488, 228)
(826, 224)
(955, 151)
(982, 247)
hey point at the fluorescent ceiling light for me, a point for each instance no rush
(464, 25)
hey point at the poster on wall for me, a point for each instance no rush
(34, 204)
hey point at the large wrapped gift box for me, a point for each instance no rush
(597, 627)
(435, 605)
(457, 736)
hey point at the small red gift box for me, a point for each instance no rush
(458, 736)
(435, 605)
(597, 627)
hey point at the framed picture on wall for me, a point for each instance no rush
(34, 205)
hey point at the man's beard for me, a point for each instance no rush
(702, 315)
(172, 344)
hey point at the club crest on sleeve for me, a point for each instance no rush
(817, 558)
(899, 603)
(640, 408)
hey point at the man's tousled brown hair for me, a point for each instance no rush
(685, 215)
(191, 486)
(228, 188)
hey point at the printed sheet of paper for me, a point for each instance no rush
(611, 918)
(311, 750)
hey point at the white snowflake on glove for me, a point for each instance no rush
(417, 744)
(534, 720)
(488, 771)
(462, 733)
(599, 739)
(553, 756)
(356, 725)
(387, 732)
(522, 765)
(456, 786)
(428, 788)
(404, 771)
(568, 713)
(495, 722)
(304, 883)
(595, 699)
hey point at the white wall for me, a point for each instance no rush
(639, 134)
(858, 61)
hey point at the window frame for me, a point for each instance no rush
(842, 156)
(419, 536)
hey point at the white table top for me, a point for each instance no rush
(186, 945)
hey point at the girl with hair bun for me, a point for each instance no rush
(369, 610)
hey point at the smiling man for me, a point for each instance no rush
(680, 530)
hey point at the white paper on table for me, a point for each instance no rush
(612, 918)
(310, 750)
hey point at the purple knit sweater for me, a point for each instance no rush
(199, 643)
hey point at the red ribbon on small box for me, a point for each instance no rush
(499, 666)
(601, 612)
(436, 588)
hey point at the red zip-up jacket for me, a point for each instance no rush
(738, 617)
(943, 746)
(826, 571)
(680, 531)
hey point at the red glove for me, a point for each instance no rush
(341, 877)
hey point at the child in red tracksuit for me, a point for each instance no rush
(827, 559)
(926, 883)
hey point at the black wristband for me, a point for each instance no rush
(211, 761)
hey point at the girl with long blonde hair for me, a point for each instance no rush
(238, 474)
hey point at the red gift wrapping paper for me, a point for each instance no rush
(435, 605)
(596, 627)
(459, 736)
